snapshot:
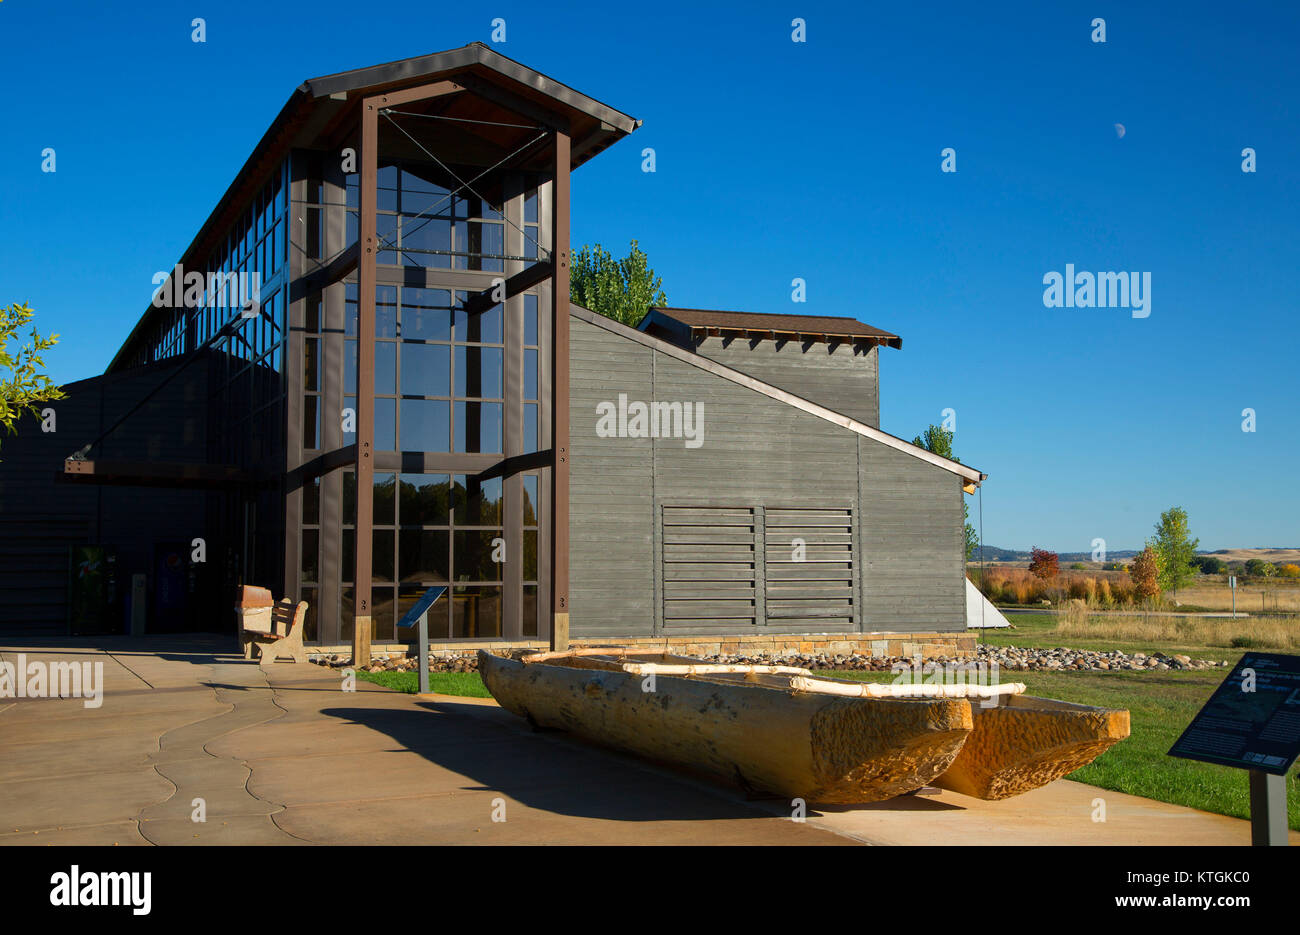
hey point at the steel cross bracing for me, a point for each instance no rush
(463, 185)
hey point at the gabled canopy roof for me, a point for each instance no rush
(503, 106)
(700, 322)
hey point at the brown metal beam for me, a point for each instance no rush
(560, 395)
(331, 272)
(365, 416)
(516, 284)
(159, 474)
(419, 93)
(517, 465)
(322, 465)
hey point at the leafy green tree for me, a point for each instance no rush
(1175, 550)
(938, 440)
(23, 387)
(1209, 565)
(1258, 568)
(622, 289)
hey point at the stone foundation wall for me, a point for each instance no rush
(928, 645)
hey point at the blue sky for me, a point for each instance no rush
(778, 160)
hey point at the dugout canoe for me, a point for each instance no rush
(745, 726)
(789, 731)
(1021, 742)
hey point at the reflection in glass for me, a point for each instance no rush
(531, 504)
(530, 319)
(385, 367)
(426, 314)
(477, 503)
(530, 374)
(426, 370)
(385, 425)
(478, 427)
(476, 612)
(311, 555)
(478, 372)
(530, 427)
(425, 500)
(311, 502)
(530, 554)
(423, 555)
(385, 549)
(426, 425)
(382, 607)
(530, 610)
(385, 490)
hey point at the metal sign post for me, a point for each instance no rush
(1268, 819)
(1250, 722)
(1232, 583)
(418, 615)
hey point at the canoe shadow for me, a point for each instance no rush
(547, 770)
(901, 803)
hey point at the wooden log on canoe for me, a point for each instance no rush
(904, 690)
(754, 733)
(1024, 742)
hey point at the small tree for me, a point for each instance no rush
(1044, 564)
(623, 290)
(1258, 568)
(22, 384)
(1289, 570)
(1145, 572)
(938, 440)
(1175, 549)
(1209, 564)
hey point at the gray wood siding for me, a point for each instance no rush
(757, 453)
(838, 378)
(611, 490)
(913, 546)
(41, 516)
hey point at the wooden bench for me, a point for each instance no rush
(276, 629)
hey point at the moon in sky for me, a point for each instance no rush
(1119, 130)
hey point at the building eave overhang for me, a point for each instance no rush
(695, 333)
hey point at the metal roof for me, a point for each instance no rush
(759, 324)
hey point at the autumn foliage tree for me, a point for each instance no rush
(1044, 564)
(1145, 572)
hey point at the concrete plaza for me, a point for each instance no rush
(287, 757)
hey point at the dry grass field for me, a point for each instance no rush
(1011, 584)
(1213, 593)
(1269, 633)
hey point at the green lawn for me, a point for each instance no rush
(1160, 704)
(443, 683)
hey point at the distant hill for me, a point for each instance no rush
(994, 553)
